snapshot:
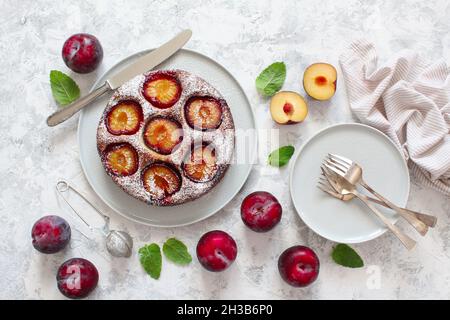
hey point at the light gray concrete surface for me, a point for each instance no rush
(244, 36)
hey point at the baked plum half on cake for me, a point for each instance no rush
(203, 113)
(161, 180)
(124, 118)
(162, 90)
(166, 137)
(162, 135)
(120, 159)
(201, 163)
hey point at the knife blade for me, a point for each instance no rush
(141, 65)
(150, 60)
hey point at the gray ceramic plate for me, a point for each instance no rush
(383, 166)
(196, 210)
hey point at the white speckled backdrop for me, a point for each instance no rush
(244, 36)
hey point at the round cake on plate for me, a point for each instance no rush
(166, 137)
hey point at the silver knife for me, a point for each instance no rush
(141, 65)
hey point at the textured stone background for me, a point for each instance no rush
(244, 36)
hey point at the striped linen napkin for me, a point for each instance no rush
(409, 100)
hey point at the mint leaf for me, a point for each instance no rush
(345, 256)
(281, 156)
(64, 89)
(151, 260)
(176, 251)
(271, 79)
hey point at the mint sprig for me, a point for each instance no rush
(345, 256)
(64, 89)
(151, 260)
(281, 156)
(271, 79)
(176, 251)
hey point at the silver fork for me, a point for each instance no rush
(346, 188)
(353, 173)
(327, 183)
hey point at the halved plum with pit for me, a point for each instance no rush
(201, 163)
(162, 90)
(124, 118)
(121, 159)
(203, 113)
(162, 135)
(161, 180)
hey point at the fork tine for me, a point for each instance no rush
(321, 187)
(334, 170)
(325, 180)
(346, 160)
(328, 175)
(323, 183)
(325, 190)
(337, 166)
(331, 193)
(337, 160)
(322, 180)
(325, 171)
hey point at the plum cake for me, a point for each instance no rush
(166, 137)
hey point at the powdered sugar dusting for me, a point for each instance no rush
(222, 137)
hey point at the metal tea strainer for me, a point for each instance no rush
(118, 243)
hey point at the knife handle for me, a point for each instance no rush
(66, 112)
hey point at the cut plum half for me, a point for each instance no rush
(201, 163)
(162, 90)
(163, 135)
(287, 107)
(121, 159)
(124, 118)
(319, 81)
(203, 113)
(161, 180)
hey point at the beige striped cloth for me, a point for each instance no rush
(409, 100)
